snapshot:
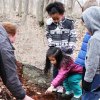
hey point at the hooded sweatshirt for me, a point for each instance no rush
(91, 17)
(61, 35)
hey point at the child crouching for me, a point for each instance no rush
(68, 72)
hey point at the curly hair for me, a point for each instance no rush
(56, 7)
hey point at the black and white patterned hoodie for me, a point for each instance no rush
(61, 35)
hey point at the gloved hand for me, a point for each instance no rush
(27, 98)
(50, 89)
(86, 85)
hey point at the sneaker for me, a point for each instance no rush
(68, 92)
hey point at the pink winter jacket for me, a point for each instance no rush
(65, 70)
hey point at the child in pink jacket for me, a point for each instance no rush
(68, 72)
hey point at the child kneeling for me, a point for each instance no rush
(69, 73)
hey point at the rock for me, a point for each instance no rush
(36, 76)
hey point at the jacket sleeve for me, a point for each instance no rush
(82, 53)
(9, 73)
(92, 60)
(62, 74)
(48, 35)
(72, 38)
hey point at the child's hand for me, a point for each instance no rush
(50, 89)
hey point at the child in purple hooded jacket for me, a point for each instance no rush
(68, 72)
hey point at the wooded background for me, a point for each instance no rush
(31, 43)
(36, 8)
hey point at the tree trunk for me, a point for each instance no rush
(20, 8)
(98, 1)
(31, 7)
(62, 1)
(45, 4)
(50, 1)
(26, 7)
(44, 9)
(34, 7)
(69, 4)
(14, 5)
(39, 12)
(10, 6)
(1, 6)
(89, 3)
(4, 7)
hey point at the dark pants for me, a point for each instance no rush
(84, 70)
(93, 95)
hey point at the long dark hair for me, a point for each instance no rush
(59, 56)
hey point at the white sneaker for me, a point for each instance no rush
(68, 92)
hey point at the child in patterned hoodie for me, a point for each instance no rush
(60, 31)
(68, 72)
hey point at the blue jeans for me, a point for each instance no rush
(93, 95)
